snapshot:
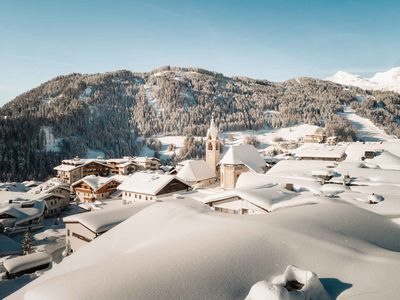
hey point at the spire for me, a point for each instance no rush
(212, 124)
(213, 130)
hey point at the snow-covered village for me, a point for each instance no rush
(165, 149)
(229, 218)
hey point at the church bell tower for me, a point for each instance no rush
(213, 147)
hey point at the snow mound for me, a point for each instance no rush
(294, 284)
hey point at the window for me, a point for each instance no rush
(68, 232)
(210, 147)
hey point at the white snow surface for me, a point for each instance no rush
(180, 249)
(51, 143)
(388, 81)
(20, 263)
(312, 287)
(102, 220)
(366, 129)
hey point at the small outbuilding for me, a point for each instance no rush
(26, 264)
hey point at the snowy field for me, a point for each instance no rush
(265, 137)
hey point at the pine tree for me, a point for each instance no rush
(27, 246)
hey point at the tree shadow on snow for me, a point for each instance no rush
(334, 286)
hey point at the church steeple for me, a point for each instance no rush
(213, 147)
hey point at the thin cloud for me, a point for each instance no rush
(35, 59)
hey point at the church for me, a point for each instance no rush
(237, 159)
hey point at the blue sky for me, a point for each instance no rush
(273, 40)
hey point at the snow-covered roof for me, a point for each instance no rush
(99, 221)
(125, 164)
(310, 150)
(17, 197)
(49, 186)
(195, 170)
(71, 164)
(66, 168)
(25, 262)
(146, 183)
(263, 197)
(213, 130)
(119, 160)
(13, 187)
(385, 160)
(244, 154)
(145, 159)
(355, 151)
(22, 210)
(95, 182)
(31, 183)
(254, 180)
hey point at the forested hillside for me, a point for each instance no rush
(79, 114)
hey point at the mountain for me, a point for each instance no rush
(386, 81)
(113, 113)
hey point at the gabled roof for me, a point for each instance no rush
(147, 183)
(67, 168)
(244, 155)
(195, 170)
(95, 182)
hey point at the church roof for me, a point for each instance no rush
(195, 170)
(244, 155)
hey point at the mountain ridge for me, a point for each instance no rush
(386, 81)
(110, 112)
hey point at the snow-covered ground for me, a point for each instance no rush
(181, 249)
(266, 137)
(366, 130)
